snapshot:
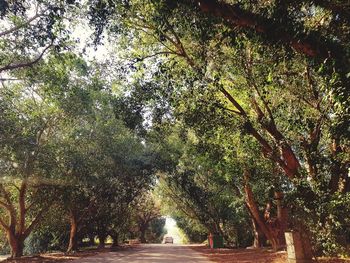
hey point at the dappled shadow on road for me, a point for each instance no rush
(242, 255)
(170, 253)
(61, 256)
(151, 254)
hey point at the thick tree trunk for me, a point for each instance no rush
(282, 218)
(264, 227)
(143, 234)
(102, 239)
(17, 230)
(17, 245)
(270, 229)
(115, 242)
(73, 239)
(259, 237)
(286, 159)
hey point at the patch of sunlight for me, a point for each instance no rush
(174, 231)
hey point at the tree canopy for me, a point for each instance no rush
(237, 112)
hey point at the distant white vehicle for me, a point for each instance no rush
(169, 240)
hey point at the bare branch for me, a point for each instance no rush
(4, 225)
(36, 221)
(24, 24)
(178, 44)
(10, 79)
(4, 205)
(157, 39)
(25, 64)
(233, 101)
(227, 109)
(11, 210)
(155, 55)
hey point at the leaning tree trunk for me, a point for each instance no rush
(270, 231)
(263, 226)
(259, 237)
(73, 235)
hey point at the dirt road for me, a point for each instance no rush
(149, 254)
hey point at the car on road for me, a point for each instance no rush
(168, 240)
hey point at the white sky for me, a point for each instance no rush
(173, 230)
(83, 32)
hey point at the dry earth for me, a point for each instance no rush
(226, 255)
(242, 255)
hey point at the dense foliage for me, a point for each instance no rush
(238, 112)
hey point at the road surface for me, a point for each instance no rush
(162, 253)
(3, 257)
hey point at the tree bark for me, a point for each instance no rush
(238, 17)
(259, 220)
(16, 243)
(16, 229)
(73, 239)
(340, 181)
(259, 237)
(115, 239)
(286, 159)
(91, 239)
(282, 218)
(143, 234)
(270, 229)
(102, 239)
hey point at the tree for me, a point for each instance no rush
(249, 100)
(212, 74)
(145, 212)
(31, 30)
(26, 145)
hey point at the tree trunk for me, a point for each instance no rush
(73, 239)
(91, 239)
(101, 239)
(270, 230)
(340, 180)
(259, 237)
(143, 234)
(237, 17)
(17, 245)
(282, 218)
(17, 230)
(115, 242)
